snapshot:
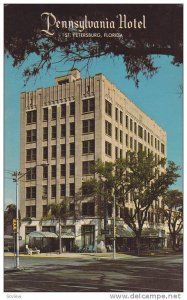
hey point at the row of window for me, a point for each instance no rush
(88, 105)
(132, 126)
(132, 144)
(87, 148)
(87, 169)
(88, 127)
(88, 209)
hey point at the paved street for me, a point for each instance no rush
(95, 274)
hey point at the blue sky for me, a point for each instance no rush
(158, 97)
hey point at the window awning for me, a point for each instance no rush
(153, 233)
(68, 235)
(42, 234)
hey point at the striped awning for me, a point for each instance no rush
(42, 234)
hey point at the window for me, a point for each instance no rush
(131, 125)
(45, 114)
(53, 132)
(121, 117)
(63, 110)
(151, 140)
(140, 131)
(140, 147)
(131, 143)
(29, 229)
(88, 209)
(87, 189)
(72, 128)
(71, 207)
(158, 145)
(71, 169)
(88, 126)
(31, 136)
(53, 151)
(155, 143)
(108, 108)
(31, 154)
(116, 152)
(49, 228)
(72, 108)
(116, 114)
(31, 116)
(53, 191)
(45, 152)
(45, 210)
(62, 190)
(53, 112)
(135, 145)
(135, 128)
(88, 167)
(116, 133)
(145, 135)
(108, 128)
(127, 140)
(31, 211)
(63, 130)
(162, 148)
(121, 136)
(45, 172)
(63, 150)
(31, 192)
(108, 148)
(127, 122)
(88, 105)
(45, 192)
(120, 153)
(72, 149)
(31, 173)
(53, 171)
(63, 170)
(148, 137)
(45, 133)
(88, 146)
(72, 189)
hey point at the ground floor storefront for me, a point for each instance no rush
(88, 235)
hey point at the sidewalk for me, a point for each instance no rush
(73, 255)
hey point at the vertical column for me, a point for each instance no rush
(58, 154)
(39, 169)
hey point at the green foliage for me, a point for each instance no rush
(173, 213)
(142, 176)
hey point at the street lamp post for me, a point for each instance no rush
(114, 229)
(16, 174)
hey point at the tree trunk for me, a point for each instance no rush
(174, 241)
(138, 244)
(60, 231)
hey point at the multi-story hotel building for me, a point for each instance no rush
(64, 129)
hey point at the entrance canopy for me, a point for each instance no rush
(42, 234)
(153, 233)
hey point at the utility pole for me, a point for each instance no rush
(16, 175)
(114, 228)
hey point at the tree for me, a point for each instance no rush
(163, 35)
(173, 213)
(144, 178)
(101, 188)
(140, 175)
(56, 211)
